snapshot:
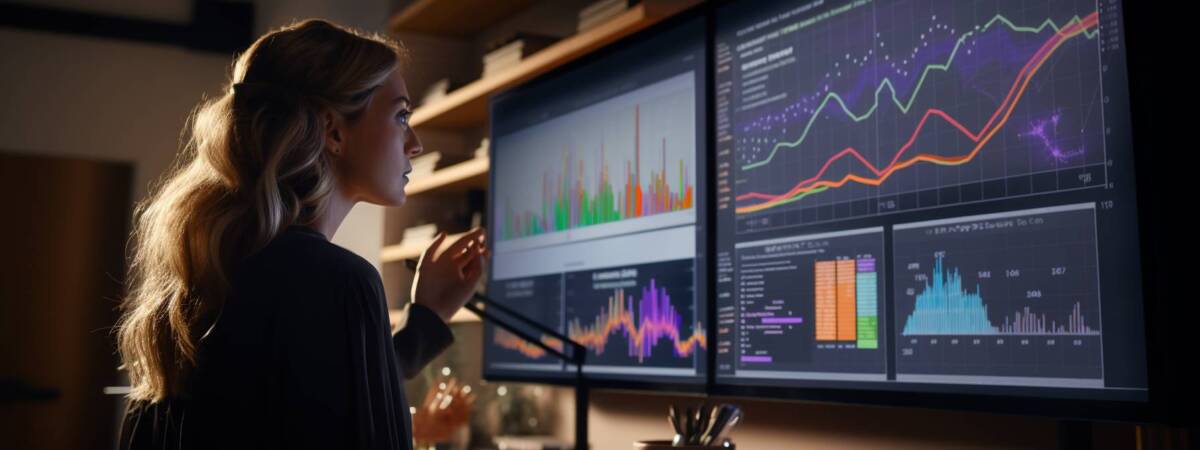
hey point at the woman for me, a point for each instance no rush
(244, 327)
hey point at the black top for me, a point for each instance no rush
(301, 356)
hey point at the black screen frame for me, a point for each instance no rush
(1163, 403)
(695, 386)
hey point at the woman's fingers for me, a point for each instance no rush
(466, 255)
(473, 268)
(463, 269)
(469, 253)
(469, 256)
(471, 236)
(465, 250)
(462, 260)
(433, 246)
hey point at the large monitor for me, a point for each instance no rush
(926, 200)
(597, 210)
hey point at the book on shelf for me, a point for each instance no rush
(600, 12)
(512, 50)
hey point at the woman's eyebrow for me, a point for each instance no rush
(401, 98)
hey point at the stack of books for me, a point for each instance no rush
(513, 50)
(599, 12)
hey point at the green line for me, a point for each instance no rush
(888, 83)
(802, 195)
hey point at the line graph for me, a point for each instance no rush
(980, 138)
(906, 106)
(977, 110)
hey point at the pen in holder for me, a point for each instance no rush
(698, 428)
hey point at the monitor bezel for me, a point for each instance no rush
(697, 385)
(1155, 409)
(1163, 405)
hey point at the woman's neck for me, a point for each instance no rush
(335, 212)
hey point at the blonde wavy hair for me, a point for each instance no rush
(251, 164)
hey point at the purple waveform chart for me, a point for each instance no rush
(640, 317)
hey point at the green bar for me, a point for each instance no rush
(868, 328)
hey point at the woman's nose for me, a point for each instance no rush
(412, 145)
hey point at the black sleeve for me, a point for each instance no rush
(423, 337)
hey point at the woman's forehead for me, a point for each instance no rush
(390, 93)
(394, 85)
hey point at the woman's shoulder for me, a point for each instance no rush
(302, 279)
(148, 424)
(300, 252)
(302, 269)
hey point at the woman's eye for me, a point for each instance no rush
(403, 117)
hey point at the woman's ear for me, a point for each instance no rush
(334, 134)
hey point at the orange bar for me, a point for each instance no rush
(637, 198)
(846, 301)
(826, 300)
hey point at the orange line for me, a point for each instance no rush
(1091, 19)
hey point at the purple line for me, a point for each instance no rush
(783, 320)
(756, 359)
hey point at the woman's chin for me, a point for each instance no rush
(396, 198)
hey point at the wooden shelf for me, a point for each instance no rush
(466, 106)
(406, 250)
(454, 18)
(462, 316)
(402, 251)
(459, 177)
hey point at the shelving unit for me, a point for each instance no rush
(402, 251)
(457, 18)
(467, 106)
(462, 316)
(459, 177)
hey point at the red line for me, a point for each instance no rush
(1042, 53)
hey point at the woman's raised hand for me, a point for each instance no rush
(446, 279)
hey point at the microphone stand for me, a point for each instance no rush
(480, 304)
